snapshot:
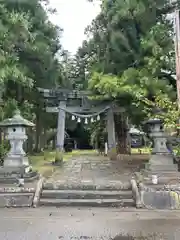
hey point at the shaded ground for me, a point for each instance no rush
(96, 224)
(97, 169)
(42, 161)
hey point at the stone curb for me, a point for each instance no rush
(38, 192)
(136, 194)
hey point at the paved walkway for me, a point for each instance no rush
(84, 224)
(94, 168)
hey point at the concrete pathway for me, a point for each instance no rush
(81, 224)
(95, 168)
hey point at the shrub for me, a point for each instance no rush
(4, 147)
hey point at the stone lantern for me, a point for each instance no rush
(16, 134)
(159, 137)
(161, 160)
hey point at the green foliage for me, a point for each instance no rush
(168, 110)
(4, 147)
(29, 44)
(28, 59)
(98, 130)
(128, 58)
(130, 55)
(177, 150)
(10, 67)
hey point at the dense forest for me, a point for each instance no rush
(128, 58)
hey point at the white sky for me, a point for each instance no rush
(73, 16)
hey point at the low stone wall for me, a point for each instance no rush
(16, 197)
(166, 198)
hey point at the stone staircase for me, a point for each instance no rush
(91, 196)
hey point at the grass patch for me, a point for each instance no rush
(144, 150)
(137, 155)
(42, 162)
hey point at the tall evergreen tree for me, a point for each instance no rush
(130, 55)
(29, 44)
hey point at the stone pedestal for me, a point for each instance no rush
(161, 165)
(15, 167)
(16, 161)
(163, 168)
(159, 143)
(9, 175)
(161, 160)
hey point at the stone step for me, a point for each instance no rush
(15, 194)
(87, 202)
(114, 186)
(86, 194)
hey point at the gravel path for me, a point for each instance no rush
(95, 168)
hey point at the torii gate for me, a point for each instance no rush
(60, 101)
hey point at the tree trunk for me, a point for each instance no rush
(43, 139)
(30, 140)
(37, 147)
(54, 143)
(19, 93)
(121, 128)
(1, 133)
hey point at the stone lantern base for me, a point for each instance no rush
(15, 167)
(161, 166)
(161, 163)
(10, 175)
(16, 161)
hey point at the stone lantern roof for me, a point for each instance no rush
(16, 120)
(154, 121)
(135, 131)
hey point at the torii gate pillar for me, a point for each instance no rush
(60, 132)
(111, 133)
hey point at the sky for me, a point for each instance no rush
(73, 16)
